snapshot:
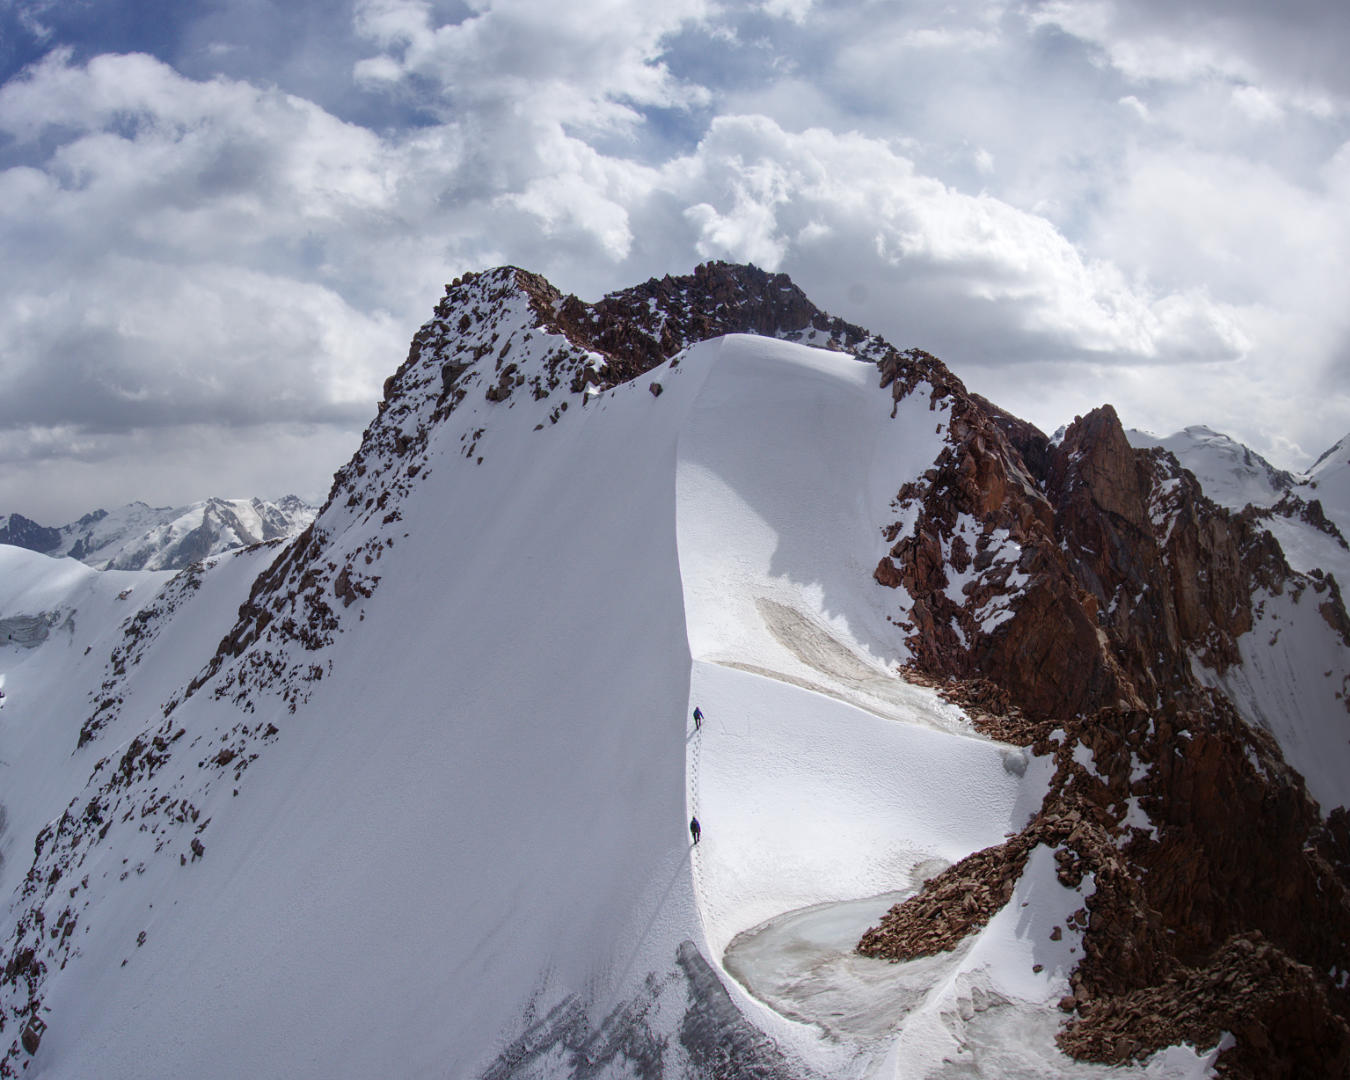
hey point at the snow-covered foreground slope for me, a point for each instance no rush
(463, 850)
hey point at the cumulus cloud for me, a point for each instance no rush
(159, 256)
(1070, 203)
(586, 65)
(1295, 50)
(817, 202)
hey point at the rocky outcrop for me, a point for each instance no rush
(1216, 911)
(1097, 570)
(1275, 1009)
(21, 532)
(1074, 587)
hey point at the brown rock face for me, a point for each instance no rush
(1221, 917)
(1122, 569)
(1228, 912)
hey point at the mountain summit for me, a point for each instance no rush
(1010, 749)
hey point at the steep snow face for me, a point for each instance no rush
(789, 463)
(817, 768)
(1329, 481)
(445, 833)
(1294, 681)
(141, 537)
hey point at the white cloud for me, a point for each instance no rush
(859, 204)
(587, 65)
(1187, 44)
(796, 10)
(186, 250)
(1141, 53)
(1135, 105)
(1258, 105)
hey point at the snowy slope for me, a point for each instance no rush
(1230, 473)
(1294, 681)
(52, 689)
(1235, 476)
(461, 849)
(1329, 481)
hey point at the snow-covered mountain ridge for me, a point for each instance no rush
(408, 796)
(1233, 475)
(141, 537)
(1309, 514)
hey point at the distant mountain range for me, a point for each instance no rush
(141, 537)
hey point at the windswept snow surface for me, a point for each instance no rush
(466, 854)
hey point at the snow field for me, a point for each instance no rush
(480, 815)
(1293, 681)
(805, 799)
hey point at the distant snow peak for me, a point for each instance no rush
(1309, 515)
(142, 537)
(1233, 475)
(1337, 456)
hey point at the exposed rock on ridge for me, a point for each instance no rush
(1079, 586)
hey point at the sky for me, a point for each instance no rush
(223, 221)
